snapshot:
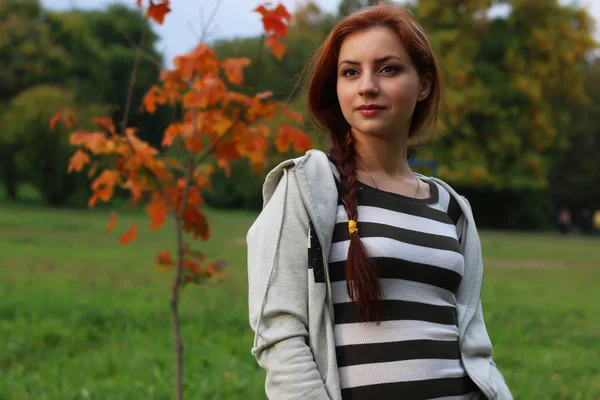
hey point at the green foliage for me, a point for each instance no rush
(29, 55)
(575, 177)
(90, 54)
(81, 315)
(508, 80)
(40, 153)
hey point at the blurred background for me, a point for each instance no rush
(519, 135)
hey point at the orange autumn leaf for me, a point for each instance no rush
(93, 169)
(77, 161)
(103, 194)
(153, 97)
(170, 134)
(157, 11)
(287, 134)
(157, 209)
(277, 47)
(70, 120)
(112, 222)
(217, 268)
(291, 114)
(105, 123)
(193, 144)
(129, 235)
(103, 186)
(195, 222)
(222, 126)
(234, 69)
(55, 118)
(164, 258)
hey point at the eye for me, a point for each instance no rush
(349, 72)
(390, 69)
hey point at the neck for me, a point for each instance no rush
(380, 155)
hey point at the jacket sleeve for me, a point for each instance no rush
(278, 296)
(478, 344)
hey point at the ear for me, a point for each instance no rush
(425, 86)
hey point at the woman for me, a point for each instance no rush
(365, 278)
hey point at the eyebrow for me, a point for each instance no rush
(377, 60)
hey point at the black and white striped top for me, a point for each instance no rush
(413, 353)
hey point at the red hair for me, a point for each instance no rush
(361, 277)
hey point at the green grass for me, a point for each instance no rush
(82, 317)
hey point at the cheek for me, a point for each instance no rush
(405, 98)
(344, 97)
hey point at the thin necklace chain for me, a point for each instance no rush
(375, 183)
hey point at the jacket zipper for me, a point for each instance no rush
(325, 261)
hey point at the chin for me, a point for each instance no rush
(373, 128)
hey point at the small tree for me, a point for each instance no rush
(216, 125)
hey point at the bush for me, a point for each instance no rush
(41, 155)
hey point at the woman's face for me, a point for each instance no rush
(378, 86)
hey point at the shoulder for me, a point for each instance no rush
(448, 198)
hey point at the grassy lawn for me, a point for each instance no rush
(82, 317)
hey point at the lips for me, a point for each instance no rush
(370, 107)
(369, 110)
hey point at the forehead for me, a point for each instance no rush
(371, 44)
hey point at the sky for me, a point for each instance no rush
(233, 18)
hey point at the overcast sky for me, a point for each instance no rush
(233, 18)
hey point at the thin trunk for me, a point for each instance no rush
(175, 314)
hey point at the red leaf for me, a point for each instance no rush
(273, 19)
(157, 11)
(138, 3)
(129, 235)
(194, 267)
(277, 48)
(195, 221)
(111, 222)
(282, 13)
(164, 261)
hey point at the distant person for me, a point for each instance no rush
(585, 221)
(364, 277)
(564, 221)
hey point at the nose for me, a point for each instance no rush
(369, 86)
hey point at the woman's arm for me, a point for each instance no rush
(477, 342)
(278, 296)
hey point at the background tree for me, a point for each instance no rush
(509, 81)
(41, 152)
(88, 53)
(575, 176)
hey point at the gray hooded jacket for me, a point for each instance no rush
(291, 312)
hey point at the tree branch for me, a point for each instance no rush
(146, 55)
(132, 80)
